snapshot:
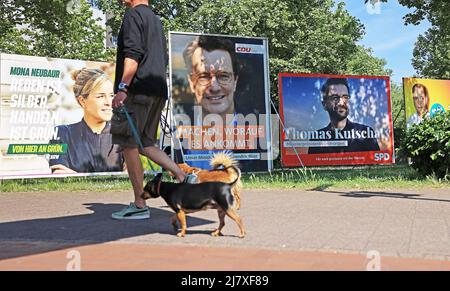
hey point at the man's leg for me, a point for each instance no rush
(135, 173)
(162, 159)
(138, 209)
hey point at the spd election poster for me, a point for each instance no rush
(335, 120)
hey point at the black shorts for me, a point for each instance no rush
(145, 111)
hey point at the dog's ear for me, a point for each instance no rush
(157, 177)
(150, 189)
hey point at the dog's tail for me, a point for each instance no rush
(238, 176)
(223, 159)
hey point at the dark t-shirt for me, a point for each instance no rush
(141, 38)
(354, 144)
(87, 151)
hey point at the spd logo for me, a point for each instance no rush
(382, 157)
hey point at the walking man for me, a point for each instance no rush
(140, 85)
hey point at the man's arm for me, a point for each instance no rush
(129, 70)
(133, 50)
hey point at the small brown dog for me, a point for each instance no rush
(186, 198)
(224, 169)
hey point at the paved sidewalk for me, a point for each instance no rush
(122, 256)
(287, 230)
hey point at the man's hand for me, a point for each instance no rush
(119, 99)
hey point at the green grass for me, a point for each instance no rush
(358, 178)
(95, 184)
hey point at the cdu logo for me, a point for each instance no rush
(373, 7)
(245, 48)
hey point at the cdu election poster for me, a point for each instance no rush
(220, 96)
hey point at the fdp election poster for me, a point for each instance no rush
(335, 120)
(55, 117)
(424, 98)
(220, 94)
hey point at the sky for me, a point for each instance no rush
(387, 35)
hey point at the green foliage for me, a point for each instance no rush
(363, 63)
(431, 53)
(379, 177)
(308, 36)
(304, 35)
(428, 145)
(48, 28)
(435, 11)
(114, 12)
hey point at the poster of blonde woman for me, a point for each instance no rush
(55, 117)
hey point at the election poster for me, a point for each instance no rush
(424, 98)
(55, 117)
(220, 92)
(335, 120)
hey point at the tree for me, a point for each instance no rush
(49, 28)
(431, 56)
(435, 11)
(363, 63)
(431, 52)
(176, 15)
(304, 35)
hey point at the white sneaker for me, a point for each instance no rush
(132, 212)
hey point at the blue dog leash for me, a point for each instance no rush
(133, 128)
(134, 132)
